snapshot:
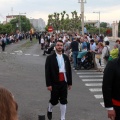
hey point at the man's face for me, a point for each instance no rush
(59, 46)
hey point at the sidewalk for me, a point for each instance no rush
(113, 38)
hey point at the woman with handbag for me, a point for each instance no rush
(98, 54)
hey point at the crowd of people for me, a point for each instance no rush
(76, 44)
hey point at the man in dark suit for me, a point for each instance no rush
(58, 79)
(111, 88)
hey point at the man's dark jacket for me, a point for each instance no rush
(52, 70)
(111, 82)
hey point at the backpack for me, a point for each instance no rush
(107, 54)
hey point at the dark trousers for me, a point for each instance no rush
(117, 110)
(3, 47)
(59, 93)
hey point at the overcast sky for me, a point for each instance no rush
(109, 9)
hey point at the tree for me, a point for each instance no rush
(5, 29)
(22, 22)
(103, 24)
(61, 21)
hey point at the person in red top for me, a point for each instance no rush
(111, 88)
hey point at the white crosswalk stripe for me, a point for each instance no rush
(102, 103)
(27, 54)
(12, 53)
(95, 89)
(90, 76)
(93, 80)
(90, 73)
(36, 55)
(98, 96)
(90, 80)
(93, 84)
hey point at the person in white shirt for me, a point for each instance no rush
(42, 43)
(106, 50)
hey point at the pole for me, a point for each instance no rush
(19, 23)
(99, 22)
(82, 15)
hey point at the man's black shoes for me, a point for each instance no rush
(49, 115)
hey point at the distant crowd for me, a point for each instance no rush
(77, 47)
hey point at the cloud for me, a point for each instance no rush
(109, 9)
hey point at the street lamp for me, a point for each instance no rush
(99, 20)
(20, 20)
(82, 13)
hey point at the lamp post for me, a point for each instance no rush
(20, 20)
(99, 20)
(82, 13)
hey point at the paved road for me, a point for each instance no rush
(23, 74)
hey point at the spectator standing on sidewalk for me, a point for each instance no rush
(111, 88)
(3, 43)
(42, 43)
(98, 53)
(8, 106)
(105, 52)
(75, 49)
(58, 79)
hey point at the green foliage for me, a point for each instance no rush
(7, 28)
(12, 26)
(103, 24)
(61, 21)
(22, 22)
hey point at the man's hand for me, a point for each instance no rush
(49, 88)
(111, 114)
(69, 87)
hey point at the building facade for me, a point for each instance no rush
(38, 24)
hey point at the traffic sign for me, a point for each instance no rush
(50, 29)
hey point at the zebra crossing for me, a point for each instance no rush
(93, 81)
(20, 53)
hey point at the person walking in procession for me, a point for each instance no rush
(58, 79)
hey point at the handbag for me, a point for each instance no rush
(97, 56)
(107, 54)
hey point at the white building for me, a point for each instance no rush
(10, 17)
(38, 24)
(115, 29)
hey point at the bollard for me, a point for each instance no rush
(41, 117)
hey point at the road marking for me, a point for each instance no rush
(36, 55)
(86, 80)
(91, 76)
(27, 54)
(95, 89)
(93, 84)
(98, 96)
(12, 53)
(19, 53)
(87, 70)
(102, 103)
(96, 73)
